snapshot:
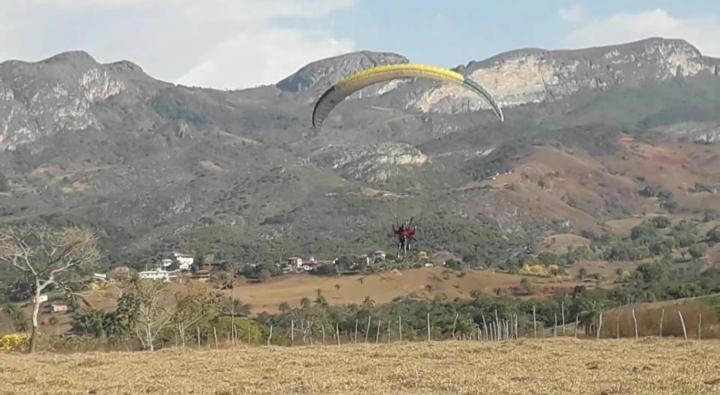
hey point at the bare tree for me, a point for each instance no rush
(155, 310)
(46, 256)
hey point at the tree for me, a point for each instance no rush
(713, 235)
(582, 273)
(46, 257)
(154, 310)
(589, 314)
(4, 184)
(526, 286)
(659, 222)
(697, 250)
(195, 305)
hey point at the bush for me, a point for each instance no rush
(14, 342)
(697, 250)
(659, 222)
(713, 235)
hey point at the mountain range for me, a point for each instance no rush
(156, 166)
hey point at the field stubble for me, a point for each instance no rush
(527, 366)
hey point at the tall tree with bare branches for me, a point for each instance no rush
(46, 256)
(155, 310)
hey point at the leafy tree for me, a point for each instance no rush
(548, 258)
(284, 307)
(4, 184)
(194, 305)
(713, 235)
(643, 234)
(659, 222)
(582, 273)
(697, 250)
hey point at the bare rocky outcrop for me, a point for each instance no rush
(373, 163)
(536, 75)
(320, 75)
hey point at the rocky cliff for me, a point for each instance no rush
(64, 92)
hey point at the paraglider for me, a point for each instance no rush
(338, 92)
(405, 235)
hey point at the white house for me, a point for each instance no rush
(184, 261)
(295, 262)
(59, 308)
(157, 274)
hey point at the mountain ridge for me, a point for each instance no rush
(158, 165)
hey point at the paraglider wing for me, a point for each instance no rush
(338, 92)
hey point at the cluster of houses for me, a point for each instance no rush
(177, 264)
(170, 267)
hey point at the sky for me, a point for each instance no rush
(231, 44)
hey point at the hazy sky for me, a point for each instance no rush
(241, 43)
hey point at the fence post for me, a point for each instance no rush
(323, 333)
(270, 335)
(454, 323)
(198, 336)
(562, 309)
(617, 325)
(356, 329)
(600, 322)
(377, 334)
(682, 321)
(215, 336)
(555, 326)
(337, 332)
(577, 323)
(292, 332)
(367, 331)
(485, 328)
(534, 323)
(635, 322)
(400, 326)
(699, 326)
(662, 317)
(428, 326)
(498, 335)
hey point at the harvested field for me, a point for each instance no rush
(381, 287)
(529, 366)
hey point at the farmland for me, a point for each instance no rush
(527, 366)
(384, 287)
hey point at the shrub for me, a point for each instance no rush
(14, 342)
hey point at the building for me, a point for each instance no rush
(59, 307)
(379, 255)
(157, 274)
(295, 263)
(309, 266)
(184, 261)
(99, 278)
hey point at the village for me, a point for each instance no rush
(176, 265)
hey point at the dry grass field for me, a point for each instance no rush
(384, 287)
(524, 367)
